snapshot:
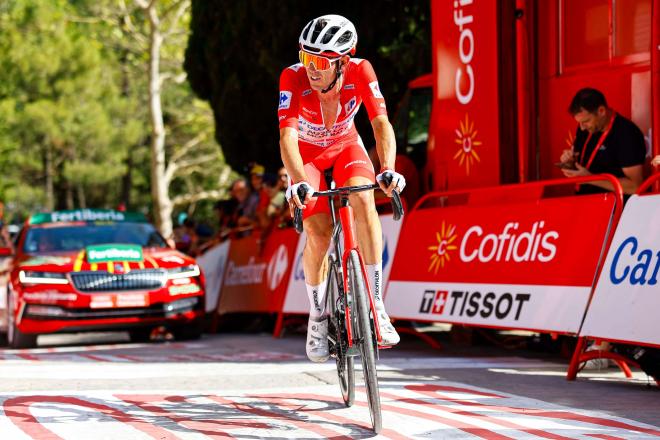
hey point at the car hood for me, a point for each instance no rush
(78, 261)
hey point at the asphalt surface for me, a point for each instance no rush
(254, 386)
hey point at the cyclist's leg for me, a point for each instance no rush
(353, 167)
(318, 228)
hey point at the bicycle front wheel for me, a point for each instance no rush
(345, 364)
(365, 338)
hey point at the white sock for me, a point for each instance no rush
(375, 274)
(316, 295)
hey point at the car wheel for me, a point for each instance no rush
(15, 337)
(188, 332)
(140, 334)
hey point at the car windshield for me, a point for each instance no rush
(75, 237)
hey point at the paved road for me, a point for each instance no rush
(253, 386)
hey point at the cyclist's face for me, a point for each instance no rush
(321, 79)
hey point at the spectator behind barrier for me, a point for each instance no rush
(605, 142)
(246, 208)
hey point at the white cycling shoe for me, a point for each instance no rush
(388, 333)
(317, 340)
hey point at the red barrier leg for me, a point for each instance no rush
(624, 367)
(575, 360)
(277, 331)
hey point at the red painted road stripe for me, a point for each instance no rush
(127, 357)
(463, 426)
(295, 420)
(18, 411)
(479, 416)
(280, 400)
(605, 436)
(94, 358)
(29, 357)
(211, 428)
(430, 390)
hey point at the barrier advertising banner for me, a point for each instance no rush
(626, 301)
(466, 132)
(256, 278)
(296, 298)
(212, 263)
(521, 265)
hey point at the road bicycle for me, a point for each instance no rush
(353, 323)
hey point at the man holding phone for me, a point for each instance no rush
(605, 142)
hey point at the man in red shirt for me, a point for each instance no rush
(319, 98)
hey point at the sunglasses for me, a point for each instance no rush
(320, 63)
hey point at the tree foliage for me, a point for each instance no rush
(74, 113)
(237, 50)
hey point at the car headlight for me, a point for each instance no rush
(34, 277)
(183, 272)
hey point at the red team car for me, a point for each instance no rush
(90, 270)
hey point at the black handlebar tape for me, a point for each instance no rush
(397, 207)
(297, 212)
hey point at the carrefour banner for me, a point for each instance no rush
(257, 272)
(213, 263)
(526, 265)
(296, 298)
(626, 302)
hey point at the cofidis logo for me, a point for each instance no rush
(466, 137)
(513, 242)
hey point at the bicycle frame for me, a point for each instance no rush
(347, 224)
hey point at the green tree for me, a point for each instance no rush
(61, 102)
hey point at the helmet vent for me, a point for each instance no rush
(345, 38)
(320, 25)
(330, 34)
(306, 30)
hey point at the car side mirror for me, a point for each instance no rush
(6, 252)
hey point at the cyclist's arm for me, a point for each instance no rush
(385, 141)
(291, 155)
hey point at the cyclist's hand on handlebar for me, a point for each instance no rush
(397, 182)
(294, 191)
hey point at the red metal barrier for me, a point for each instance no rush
(580, 355)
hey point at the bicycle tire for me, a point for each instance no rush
(345, 363)
(365, 338)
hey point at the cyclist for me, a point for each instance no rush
(319, 98)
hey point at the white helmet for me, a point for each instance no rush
(329, 33)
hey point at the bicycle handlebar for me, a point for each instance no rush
(397, 206)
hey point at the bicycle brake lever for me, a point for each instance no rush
(397, 206)
(297, 212)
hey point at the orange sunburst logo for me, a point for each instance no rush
(466, 138)
(440, 255)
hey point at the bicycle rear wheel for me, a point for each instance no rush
(365, 338)
(338, 335)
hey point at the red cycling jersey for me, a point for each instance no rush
(340, 146)
(300, 107)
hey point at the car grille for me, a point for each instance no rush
(146, 279)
